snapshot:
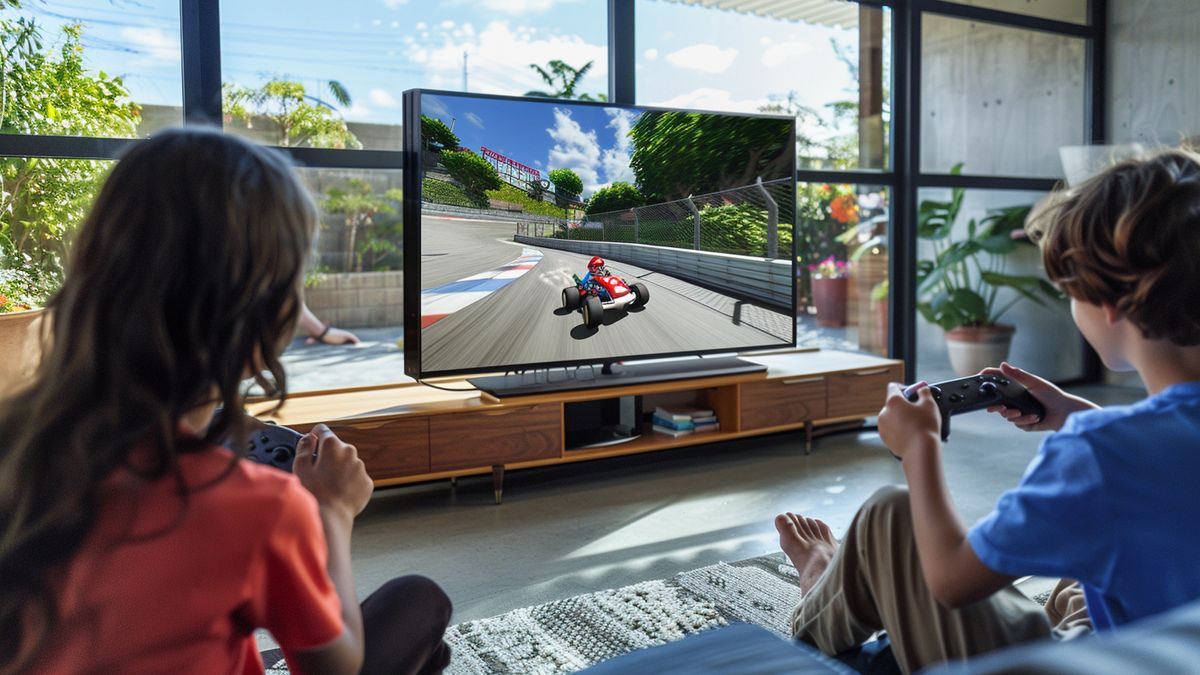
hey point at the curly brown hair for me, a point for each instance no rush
(1130, 238)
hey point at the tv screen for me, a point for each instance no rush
(542, 233)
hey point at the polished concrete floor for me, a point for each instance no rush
(579, 528)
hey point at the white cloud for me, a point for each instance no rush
(394, 4)
(518, 7)
(777, 54)
(156, 44)
(574, 149)
(703, 57)
(615, 160)
(433, 106)
(421, 25)
(382, 98)
(498, 58)
(357, 111)
(474, 119)
(651, 54)
(447, 24)
(376, 22)
(708, 98)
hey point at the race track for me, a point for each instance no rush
(523, 322)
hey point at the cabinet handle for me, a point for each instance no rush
(877, 371)
(361, 426)
(505, 411)
(804, 380)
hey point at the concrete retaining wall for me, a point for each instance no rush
(358, 300)
(768, 281)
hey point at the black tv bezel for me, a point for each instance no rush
(411, 209)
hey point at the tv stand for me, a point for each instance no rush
(611, 375)
(410, 433)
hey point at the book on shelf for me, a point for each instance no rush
(682, 412)
(676, 433)
(708, 419)
(677, 424)
(700, 428)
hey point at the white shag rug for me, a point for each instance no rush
(572, 634)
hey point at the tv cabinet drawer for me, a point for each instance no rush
(861, 392)
(389, 448)
(784, 401)
(500, 436)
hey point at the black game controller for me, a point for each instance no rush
(976, 393)
(272, 445)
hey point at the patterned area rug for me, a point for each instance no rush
(572, 634)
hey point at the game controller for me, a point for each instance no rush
(272, 445)
(977, 392)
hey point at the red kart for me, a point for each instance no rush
(600, 293)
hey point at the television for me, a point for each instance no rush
(508, 201)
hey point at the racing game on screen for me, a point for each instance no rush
(557, 232)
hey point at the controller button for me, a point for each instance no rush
(988, 389)
(955, 398)
(965, 385)
(1005, 382)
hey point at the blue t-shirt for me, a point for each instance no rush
(1111, 500)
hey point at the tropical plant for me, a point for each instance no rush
(296, 117)
(436, 136)
(567, 186)
(359, 205)
(563, 79)
(619, 196)
(475, 173)
(47, 90)
(960, 285)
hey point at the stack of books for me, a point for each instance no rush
(681, 421)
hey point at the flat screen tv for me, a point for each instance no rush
(509, 202)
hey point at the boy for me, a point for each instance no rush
(1111, 497)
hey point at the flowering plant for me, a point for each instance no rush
(829, 268)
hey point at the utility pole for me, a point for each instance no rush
(464, 70)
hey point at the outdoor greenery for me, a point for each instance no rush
(619, 196)
(436, 136)
(740, 229)
(444, 192)
(357, 202)
(44, 89)
(473, 172)
(676, 154)
(567, 186)
(960, 285)
(512, 195)
(296, 118)
(563, 79)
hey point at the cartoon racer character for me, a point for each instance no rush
(596, 268)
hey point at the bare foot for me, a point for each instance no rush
(808, 543)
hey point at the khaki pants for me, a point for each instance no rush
(874, 582)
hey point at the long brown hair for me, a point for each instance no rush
(187, 271)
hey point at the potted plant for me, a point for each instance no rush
(829, 288)
(958, 289)
(19, 325)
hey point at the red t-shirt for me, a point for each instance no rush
(163, 586)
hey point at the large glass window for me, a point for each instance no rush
(332, 74)
(842, 267)
(107, 68)
(998, 100)
(827, 64)
(997, 281)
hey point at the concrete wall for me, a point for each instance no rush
(1154, 71)
(769, 281)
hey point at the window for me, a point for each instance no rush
(1071, 11)
(828, 66)
(998, 100)
(333, 74)
(79, 68)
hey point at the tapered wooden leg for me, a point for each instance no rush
(498, 481)
(808, 436)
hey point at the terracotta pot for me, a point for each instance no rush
(973, 348)
(829, 297)
(19, 349)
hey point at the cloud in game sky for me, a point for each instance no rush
(615, 160)
(703, 57)
(474, 119)
(574, 149)
(433, 106)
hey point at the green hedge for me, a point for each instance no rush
(513, 195)
(442, 192)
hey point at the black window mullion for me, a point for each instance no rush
(622, 52)
(200, 39)
(973, 13)
(906, 161)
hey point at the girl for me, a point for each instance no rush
(130, 540)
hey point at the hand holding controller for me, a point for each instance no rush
(273, 445)
(978, 392)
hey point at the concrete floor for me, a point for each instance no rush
(580, 528)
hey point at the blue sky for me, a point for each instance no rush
(591, 140)
(686, 56)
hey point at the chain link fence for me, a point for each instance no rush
(754, 220)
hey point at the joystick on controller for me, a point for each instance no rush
(269, 444)
(977, 392)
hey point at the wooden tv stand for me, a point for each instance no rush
(409, 433)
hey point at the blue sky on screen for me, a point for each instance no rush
(592, 140)
(686, 56)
